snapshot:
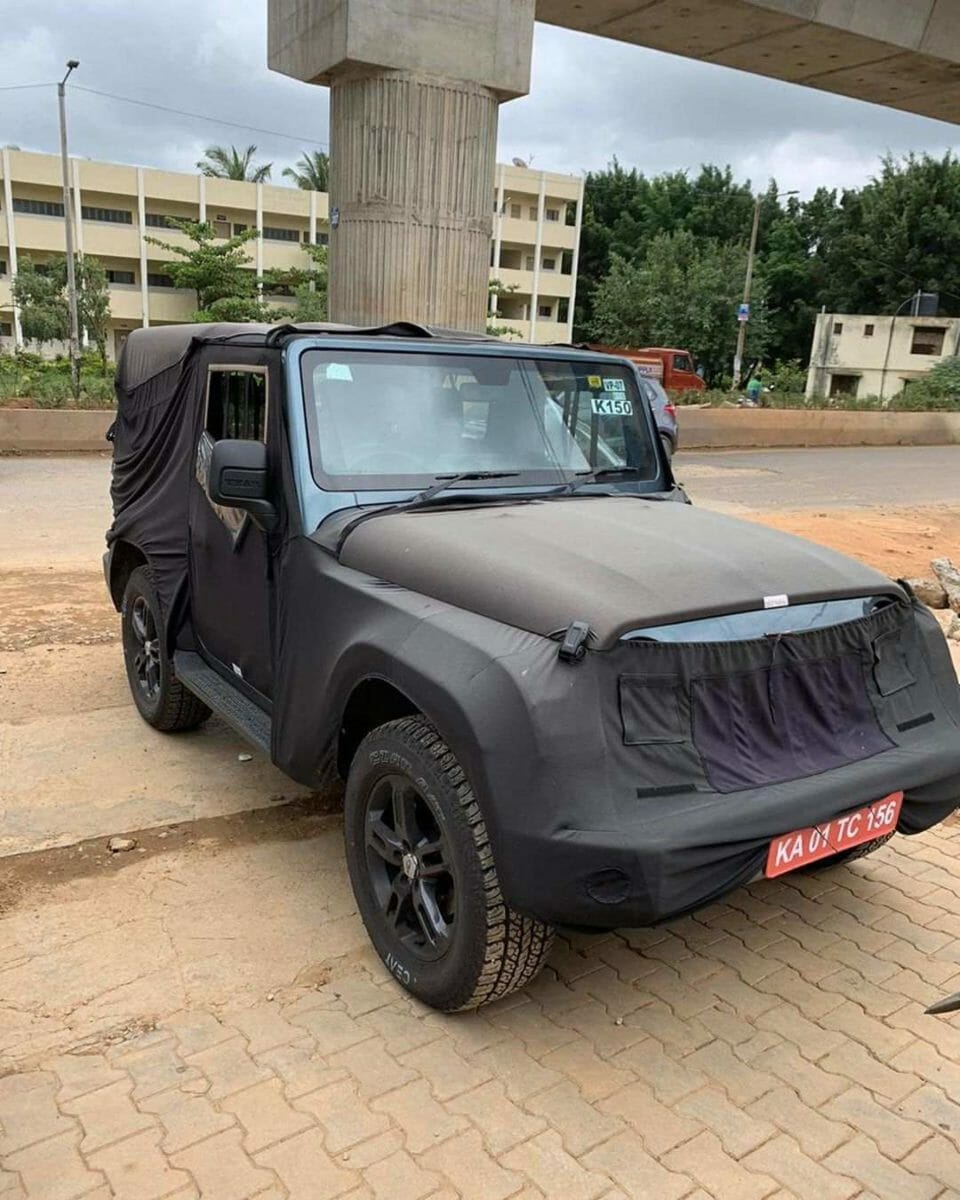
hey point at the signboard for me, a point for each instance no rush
(334, 217)
(743, 312)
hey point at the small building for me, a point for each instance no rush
(858, 355)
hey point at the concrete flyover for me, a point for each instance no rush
(416, 87)
(901, 53)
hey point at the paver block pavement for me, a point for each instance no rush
(639, 1065)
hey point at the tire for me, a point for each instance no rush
(160, 697)
(425, 880)
(849, 856)
(667, 446)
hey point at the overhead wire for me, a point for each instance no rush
(179, 112)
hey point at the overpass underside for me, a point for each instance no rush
(900, 53)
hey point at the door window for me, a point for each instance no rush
(237, 404)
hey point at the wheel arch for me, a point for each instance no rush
(125, 557)
(373, 701)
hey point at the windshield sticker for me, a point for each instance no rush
(776, 601)
(614, 385)
(612, 406)
(594, 382)
(339, 371)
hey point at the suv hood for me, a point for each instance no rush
(618, 563)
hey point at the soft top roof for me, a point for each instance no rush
(148, 352)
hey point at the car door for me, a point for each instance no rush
(229, 554)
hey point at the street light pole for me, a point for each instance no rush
(68, 230)
(747, 286)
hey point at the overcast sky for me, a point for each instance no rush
(590, 99)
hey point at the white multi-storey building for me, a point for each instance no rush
(116, 208)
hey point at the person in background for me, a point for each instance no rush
(754, 389)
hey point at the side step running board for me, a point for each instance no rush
(241, 714)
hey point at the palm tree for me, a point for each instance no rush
(222, 163)
(312, 172)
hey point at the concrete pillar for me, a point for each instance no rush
(415, 91)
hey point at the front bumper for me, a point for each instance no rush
(684, 854)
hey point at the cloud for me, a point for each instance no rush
(591, 100)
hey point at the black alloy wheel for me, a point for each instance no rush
(146, 658)
(424, 875)
(413, 878)
(160, 697)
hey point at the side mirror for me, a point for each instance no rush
(238, 479)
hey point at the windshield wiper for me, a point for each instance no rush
(594, 476)
(424, 498)
(448, 481)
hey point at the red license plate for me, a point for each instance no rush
(805, 846)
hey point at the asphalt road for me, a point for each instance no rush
(31, 489)
(906, 476)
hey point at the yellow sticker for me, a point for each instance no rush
(594, 381)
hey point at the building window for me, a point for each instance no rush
(837, 328)
(868, 331)
(545, 310)
(221, 227)
(563, 311)
(516, 211)
(281, 235)
(115, 216)
(844, 385)
(566, 262)
(157, 220)
(927, 341)
(549, 264)
(533, 213)
(238, 229)
(38, 208)
(237, 405)
(552, 214)
(3, 266)
(6, 329)
(158, 279)
(323, 239)
(528, 262)
(119, 276)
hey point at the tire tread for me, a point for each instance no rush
(516, 946)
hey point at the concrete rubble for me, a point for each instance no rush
(949, 577)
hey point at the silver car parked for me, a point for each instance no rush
(664, 411)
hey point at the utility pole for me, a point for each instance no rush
(744, 315)
(72, 64)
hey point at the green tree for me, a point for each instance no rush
(624, 210)
(38, 294)
(93, 302)
(222, 162)
(217, 270)
(312, 171)
(307, 286)
(684, 291)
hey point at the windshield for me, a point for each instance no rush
(399, 419)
